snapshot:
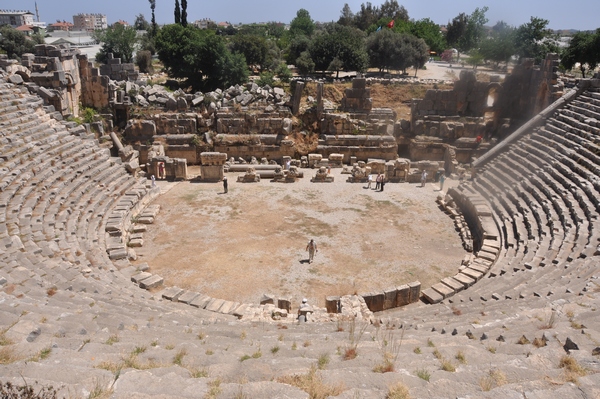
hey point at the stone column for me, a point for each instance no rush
(297, 97)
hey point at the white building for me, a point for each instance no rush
(16, 18)
(89, 22)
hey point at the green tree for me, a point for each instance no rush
(184, 12)
(392, 50)
(367, 16)
(141, 23)
(15, 43)
(305, 64)
(119, 40)
(465, 32)
(297, 46)
(200, 57)
(391, 8)
(253, 47)
(153, 20)
(346, 16)
(583, 50)
(283, 73)
(302, 24)
(534, 40)
(429, 31)
(344, 43)
(499, 46)
(177, 12)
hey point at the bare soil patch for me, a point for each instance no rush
(251, 241)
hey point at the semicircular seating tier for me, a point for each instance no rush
(70, 317)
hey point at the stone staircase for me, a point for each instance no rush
(70, 317)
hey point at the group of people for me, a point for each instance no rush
(379, 182)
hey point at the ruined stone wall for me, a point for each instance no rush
(55, 70)
(118, 71)
(95, 88)
(529, 89)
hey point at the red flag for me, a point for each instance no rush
(391, 24)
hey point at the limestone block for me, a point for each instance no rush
(284, 303)
(465, 280)
(359, 83)
(136, 278)
(267, 299)
(389, 298)
(117, 254)
(332, 304)
(377, 302)
(200, 301)
(432, 296)
(172, 293)
(452, 283)
(214, 304)
(402, 295)
(415, 291)
(187, 297)
(151, 282)
(443, 290)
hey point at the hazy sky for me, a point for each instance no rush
(583, 14)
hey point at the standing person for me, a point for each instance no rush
(382, 182)
(378, 182)
(153, 181)
(369, 180)
(225, 185)
(442, 180)
(161, 170)
(311, 248)
(423, 178)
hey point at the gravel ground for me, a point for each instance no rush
(251, 241)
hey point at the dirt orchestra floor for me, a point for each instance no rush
(252, 240)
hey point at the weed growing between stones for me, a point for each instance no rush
(198, 373)
(354, 337)
(275, 349)
(100, 390)
(493, 379)
(112, 339)
(41, 355)
(8, 355)
(390, 348)
(460, 356)
(398, 391)
(417, 350)
(312, 383)
(214, 389)
(447, 365)
(491, 349)
(423, 374)
(323, 361)
(550, 322)
(572, 369)
(178, 358)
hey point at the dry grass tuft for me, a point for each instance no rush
(312, 383)
(398, 391)
(493, 379)
(447, 365)
(8, 355)
(523, 340)
(573, 370)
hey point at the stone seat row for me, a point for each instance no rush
(477, 266)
